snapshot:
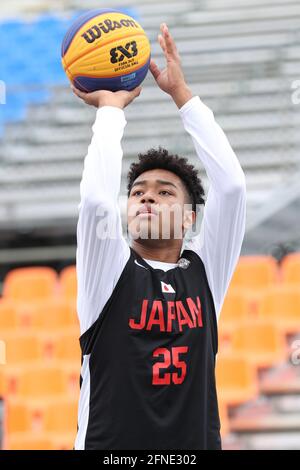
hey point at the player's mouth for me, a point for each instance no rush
(146, 211)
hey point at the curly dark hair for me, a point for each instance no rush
(161, 158)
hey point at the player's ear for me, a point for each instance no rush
(189, 218)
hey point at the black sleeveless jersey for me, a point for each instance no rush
(152, 361)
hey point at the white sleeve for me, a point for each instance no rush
(100, 258)
(224, 217)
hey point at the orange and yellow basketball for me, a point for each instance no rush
(106, 50)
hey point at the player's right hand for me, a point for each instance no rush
(100, 98)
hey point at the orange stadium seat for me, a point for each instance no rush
(30, 283)
(290, 269)
(17, 442)
(68, 282)
(67, 348)
(17, 417)
(236, 379)
(281, 305)
(72, 373)
(224, 419)
(252, 275)
(61, 416)
(2, 383)
(42, 382)
(2, 352)
(235, 311)
(54, 314)
(9, 319)
(255, 272)
(261, 342)
(22, 348)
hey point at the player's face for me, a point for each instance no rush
(158, 206)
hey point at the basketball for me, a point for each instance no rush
(105, 50)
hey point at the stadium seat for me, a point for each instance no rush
(60, 423)
(290, 269)
(42, 382)
(30, 284)
(252, 275)
(261, 342)
(224, 419)
(234, 312)
(67, 348)
(17, 417)
(72, 373)
(68, 282)
(255, 272)
(23, 348)
(17, 442)
(281, 305)
(236, 379)
(54, 314)
(2, 383)
(61, 416)
(9, 318)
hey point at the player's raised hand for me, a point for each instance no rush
(100, 98)
(171, 79)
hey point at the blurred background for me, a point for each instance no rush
(242, 57)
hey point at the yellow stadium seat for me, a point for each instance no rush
(290, 269)
(281, 305)
(236, 379)
(68, 282)
(30, 284)
(261, 342)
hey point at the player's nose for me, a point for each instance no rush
(148, 197)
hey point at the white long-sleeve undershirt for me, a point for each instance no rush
(101, 260)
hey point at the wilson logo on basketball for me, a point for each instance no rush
(95, 32)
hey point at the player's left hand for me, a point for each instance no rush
(171, 80)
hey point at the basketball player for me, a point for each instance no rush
(148, 309)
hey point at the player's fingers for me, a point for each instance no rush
(162, 44)
(78, 93)
(130, 95)
(169, 42)
(154, 69)
(136, 91)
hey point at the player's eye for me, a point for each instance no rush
(135, 193)
(166, 192)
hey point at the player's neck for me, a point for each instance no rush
(167, 251)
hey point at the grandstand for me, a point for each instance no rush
(241, 58)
